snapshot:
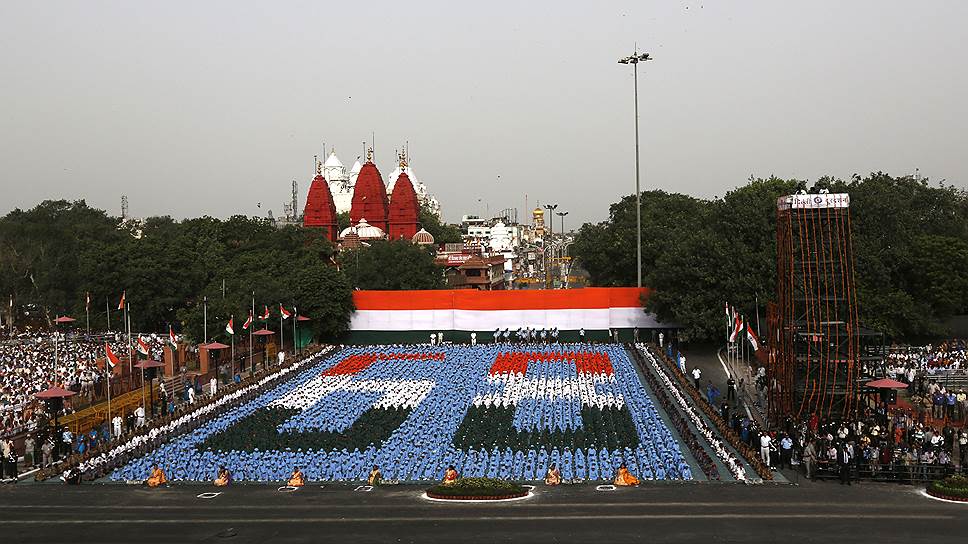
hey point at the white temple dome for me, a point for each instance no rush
(423, 238)
(347, 230)
(367, 231)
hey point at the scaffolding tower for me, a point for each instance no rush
(814, 365)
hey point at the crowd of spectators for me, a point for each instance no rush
(908, 445)
(907, 363)
(32, 360)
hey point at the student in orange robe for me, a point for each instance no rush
(157, 477)
(553, 477)
(296, 479)
(224, 477)
(624, 477)
(376, 477)
(450, 475)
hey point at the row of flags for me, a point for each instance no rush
(230, 327)
(738, 325)
(142, 345)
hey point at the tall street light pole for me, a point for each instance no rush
(548, 246)
(562, 216)
(634, 60)
(561, 247)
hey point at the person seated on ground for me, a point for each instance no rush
(224, 477)
(624, 477)
(296, 479)
(450, 475)
(553, 477)
(157, 477)
(376, 477)
(72, 476)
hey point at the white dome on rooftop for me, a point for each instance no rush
(367, 231)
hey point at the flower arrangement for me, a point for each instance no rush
(478, 489)
(952, 488)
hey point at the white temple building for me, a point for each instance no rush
(341, 184)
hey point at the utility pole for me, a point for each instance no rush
(549, 257)
(634, 60)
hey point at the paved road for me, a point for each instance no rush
(680, 512)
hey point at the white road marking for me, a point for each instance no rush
(442, 519)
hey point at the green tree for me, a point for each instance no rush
(910, 242)
(392, 265)
(443, 233)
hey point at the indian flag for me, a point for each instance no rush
(228, 326)
(110, 358)
(592, 308)
(285, 313)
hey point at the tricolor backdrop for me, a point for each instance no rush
(413, 315)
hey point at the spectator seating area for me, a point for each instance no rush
(500, 410)
(31, 361)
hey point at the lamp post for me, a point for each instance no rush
(634, 59)
(562, 216)
(561, 253)
(551, 236)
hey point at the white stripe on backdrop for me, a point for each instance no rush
(489, 320)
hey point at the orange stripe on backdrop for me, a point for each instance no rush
(468, 299)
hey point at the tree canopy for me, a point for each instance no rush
(443, 233)
(910, 242)
(392, 265)
(55, 253)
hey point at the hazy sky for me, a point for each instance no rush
(194, 108)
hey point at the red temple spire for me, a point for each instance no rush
(320, 211)
(404, 208)
(370, 196)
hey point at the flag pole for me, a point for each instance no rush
(107, 306)
(758, 332)
(127, 321)
(231, 319)
(282, 331)
(295, 317)
(205, 318)
(87, 312)
(107, 372)
(251, 326)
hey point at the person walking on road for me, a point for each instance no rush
(810, 459)
(765, 442)
(696, 375)
(843, 459)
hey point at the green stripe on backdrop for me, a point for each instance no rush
(487, 337)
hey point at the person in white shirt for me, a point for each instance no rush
(696, 374)
(191, 395)
(765, 442)
(139, 415)
(116, 422)
(213, 385)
